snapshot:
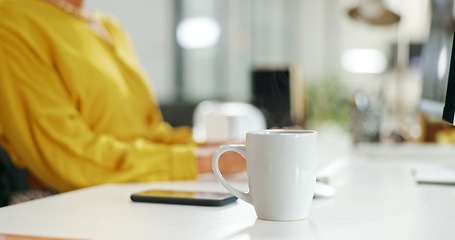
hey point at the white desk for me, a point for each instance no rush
(376, 199)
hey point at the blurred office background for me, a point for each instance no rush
(359, 62)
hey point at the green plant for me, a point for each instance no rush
(328, 101)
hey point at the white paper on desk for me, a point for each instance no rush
(434, 173)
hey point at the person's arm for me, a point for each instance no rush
(229, 163)
(43, 128)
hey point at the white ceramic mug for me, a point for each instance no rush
(281, 169)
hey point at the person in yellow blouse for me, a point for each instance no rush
(75, 107)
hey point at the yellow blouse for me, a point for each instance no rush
(77, 111)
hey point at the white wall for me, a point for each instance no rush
(150, 25)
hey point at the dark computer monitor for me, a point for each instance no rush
(449, 103)
(280, 94)
(443, 104)
(438, 100)
(271, 93)
(438, 65)
(436, 62)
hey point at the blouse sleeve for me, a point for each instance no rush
(43, 130)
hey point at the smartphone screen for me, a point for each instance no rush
(184, 197)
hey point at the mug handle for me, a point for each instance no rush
(240, 149)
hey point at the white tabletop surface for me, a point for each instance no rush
(375, 199)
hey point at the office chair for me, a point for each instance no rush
(12, 179)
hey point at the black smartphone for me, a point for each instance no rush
(199, 198)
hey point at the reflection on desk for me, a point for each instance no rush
(277, 230)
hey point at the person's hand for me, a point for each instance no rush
(229, 163)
